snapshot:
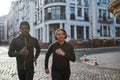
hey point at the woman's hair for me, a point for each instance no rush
(24, 23)
(60, 30)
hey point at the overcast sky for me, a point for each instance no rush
(5, 6)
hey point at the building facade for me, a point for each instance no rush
(83, 20)
(70, 15)
(1, 28)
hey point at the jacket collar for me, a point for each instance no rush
(60, 44)
(21, 36)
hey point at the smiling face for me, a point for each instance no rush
(60, 36)
(24, 29)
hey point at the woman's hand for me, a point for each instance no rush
(60, 52)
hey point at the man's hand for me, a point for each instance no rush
(47, 71)
(60, 52)
(24, 51)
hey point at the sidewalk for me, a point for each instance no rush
(107, 60)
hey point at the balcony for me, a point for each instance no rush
(114, 7)
(55, 1)
(117, 13)
(106, 20)
(55, 17)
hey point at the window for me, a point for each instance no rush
(79, 11)
(104, 31)
(55, 12)
(36, 18)
(100, 13)
(108, 30)
(80, 32)
(38, 3)
(79, 2)
(53, 16)
(117, 21)
(86, 2)
(41, 34)
(117, 31)
(87, 32)
(99, 1)
(104, 2)
(35, 23)
(86, 17)
(63, 26)
(72, 13)
(38, 34)
(104, 15)
(40, 16)
(49, 13)
(72, 32)
(108, 15)
(62, 12)
(57, 15)
(100, 30)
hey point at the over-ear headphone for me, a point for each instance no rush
(60, 30)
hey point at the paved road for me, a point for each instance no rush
(109, 60)
(79, 70)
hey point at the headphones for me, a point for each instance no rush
(60, 30)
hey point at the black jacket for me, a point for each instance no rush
(17, 44)
(60, 63)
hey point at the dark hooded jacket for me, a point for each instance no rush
(17, 44)
(60, 63)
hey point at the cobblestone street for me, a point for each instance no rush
(79, 70)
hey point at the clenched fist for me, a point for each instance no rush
(24, 51)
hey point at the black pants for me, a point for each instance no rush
(26, 74)
(56, 75)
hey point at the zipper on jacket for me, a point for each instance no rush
(25, 55)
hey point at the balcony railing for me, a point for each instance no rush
(47, 1)
(55, 17)
(105, 20)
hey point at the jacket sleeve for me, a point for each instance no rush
(38, 49)
(47, 57)
(12, 49)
